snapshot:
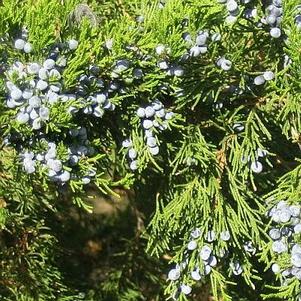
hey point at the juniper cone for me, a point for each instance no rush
(150, 150)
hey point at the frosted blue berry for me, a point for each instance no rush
(178, 71)
(286, 273)
(196, 233)
(276, 268)
(49, 64)
(27, 93)
(55, 165)
(16, 93)
(195, 51)
(195, 275)
(161, 113)
(157, 105)
(22, 117)
(163, 65)
(132, 153)
(33, 114)
(192, 245)
(232, 6)
(285, 215)
(248, 246)
(29, 166)
(27, 48)
(236, 268)
(216, 37)
(40, 157)
(19, 44)
(238, 127)
(297, 229)
(154, 150)
(149, 112)
(261, 153)
(44, 113)
(271, 20)
(212, 261)
(279, 247)
(169, 115)
(147, 124)
(36, 125)
(138, 73)
(65, 176)
(295, 210)
(141, 113)
(86, 180)
(43, 73)
(185, 289)
(174, 274)
(205, 253)
(201, 39)
(98, 111)
(256, 167)
(122, 65)
(73, 160)
(296, 260)
(277, 3)
(275, 32)
(72, 44)
(225, 235)
(101, 98)
(207, 269)
(226, 65)
(54, 74)
(151, 141)
(127, 143)
(134, 165)
(259, 80)
(160, 49)
(268, 75)
(42, 85)
(275, 234)
(35, 102)
(33, 68)
(296, 248)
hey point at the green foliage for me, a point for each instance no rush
(54, 246)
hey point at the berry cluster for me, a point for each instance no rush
(206, 259)
(33, 88)
(273, 18)
(285, 235)
(200, 45)
(171, 69)
(93, 103)
(233, 10)
(59, 166)
(154, 119)
(22, 44)
(261, 79)
(47, 160)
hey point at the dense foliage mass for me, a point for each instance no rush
(181, 117)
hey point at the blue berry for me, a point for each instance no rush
(27, 48)
(205, 253)
(192, 245)
(275, 32)
(72, 44)
(174, 274)
(19, 44)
